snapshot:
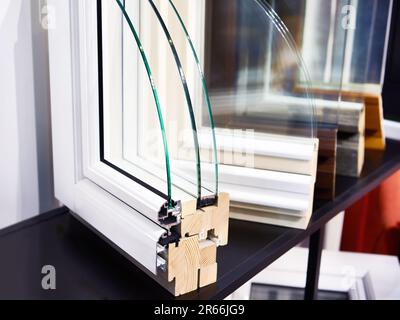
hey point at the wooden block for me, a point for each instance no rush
(191, 265)
(221, 219)
(189, 208)
(198, 223)
(351, 154)
(213, 219)
(183, 265)
(191, 262)
(326, 171)
(373, 105)
(324, 181)
(374, 127)
(374, 135)
(208, 253)
(372, 98)
(208, 275)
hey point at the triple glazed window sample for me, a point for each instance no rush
(126, 153)
(243, 112)
(166, 134)
(149, 128)
(149, 133)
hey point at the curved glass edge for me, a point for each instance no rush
(324, 93)
(187, 95)
(205, 91)
(288, 37)
(155, 96)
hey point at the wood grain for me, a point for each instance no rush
(183, 265)
(191, 262)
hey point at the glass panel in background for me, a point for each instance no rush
(173, 14)
(343, 42)
(252, 67)
(368, 56)
(317, 28)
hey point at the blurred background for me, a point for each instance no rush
(371, 226)
(25, 134)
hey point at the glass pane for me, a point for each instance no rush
(344, 45)
(174, 96)
(317, 28)
(343, 42)
(370, 43)
(187, 95)
(173, 15)
(115, 23)
(148, 120)
(252, 69)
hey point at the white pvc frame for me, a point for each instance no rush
(88, 187)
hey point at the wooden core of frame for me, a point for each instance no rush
(192, 262)
(326, 170)
(358, 129)
(374, 125)
(375, 137)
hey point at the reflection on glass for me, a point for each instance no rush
(187, 95)
(343, 42)
(150, 123)
(317, 31)
(128, 20)
(113, 115)
(370, 42)
(252, 71)
(190, 66)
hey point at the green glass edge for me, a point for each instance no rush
(187, 95)
(156, 99)
(205, 90)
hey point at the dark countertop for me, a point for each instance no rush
(89, 268)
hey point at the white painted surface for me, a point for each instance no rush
(291, 269)
(333, 233)
(25, 161)
(392, 130)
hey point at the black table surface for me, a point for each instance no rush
(87, 267)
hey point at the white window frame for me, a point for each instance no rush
(123, 211)
(88, 187)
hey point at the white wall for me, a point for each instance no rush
(25, 140)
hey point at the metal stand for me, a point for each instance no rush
(314, 264)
